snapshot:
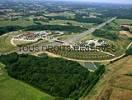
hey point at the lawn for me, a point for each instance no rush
(11, 89)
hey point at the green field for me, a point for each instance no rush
(65, 14)
(19, 22)
(11, 89)
(123, 21)
(74, 23)
(5, 45)
(82, 55)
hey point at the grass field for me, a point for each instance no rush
(19, 22)
(18, 42)
(119, 85)
(115, 84)
(123, 21)
(74, 23)
(11, 89)
(65, 14)
(120, 46)
(5, 45)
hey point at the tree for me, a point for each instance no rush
(129, 51)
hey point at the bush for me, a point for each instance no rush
(105, 34)
(129, 51)
(7, 29)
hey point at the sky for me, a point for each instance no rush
(105, 1)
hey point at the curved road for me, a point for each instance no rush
(54, 55)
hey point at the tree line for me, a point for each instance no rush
(55, 76)
(39, 26)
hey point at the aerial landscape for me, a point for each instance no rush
(65, 50)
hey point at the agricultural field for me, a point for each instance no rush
(73, 23)
(115, 83)
(19, 22)
(11, 89)
(123, 21)
(119, 85)
(64, 14)
(65, 50)
(81, 55)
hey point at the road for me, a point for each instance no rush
(77, 37)
(84, 61)
(73, 39)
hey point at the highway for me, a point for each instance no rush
(73, 39)
(77, 37)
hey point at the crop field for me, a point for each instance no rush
(11, 89)
(119, 85)
(74, 23)
(65, 14)
(82, 55)
(19, 22)
(116, 48)
(121, 94)
(123, 21)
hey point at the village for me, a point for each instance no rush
(93, 44)
(35, 36)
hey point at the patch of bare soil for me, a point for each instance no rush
(126, 33)
(121, 94)
(119, 85)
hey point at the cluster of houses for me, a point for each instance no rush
(95, 43)
(32, 36)
(90, 45)
(35, 36)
